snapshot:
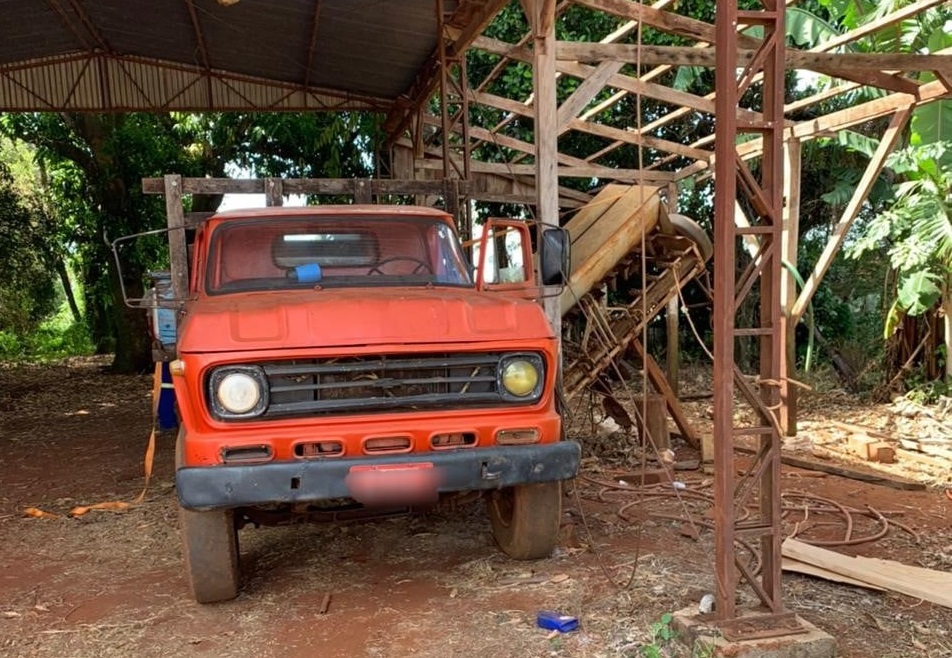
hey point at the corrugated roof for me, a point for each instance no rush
(203, 55)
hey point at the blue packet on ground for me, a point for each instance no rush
(554, 621)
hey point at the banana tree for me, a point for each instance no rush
(917, 233)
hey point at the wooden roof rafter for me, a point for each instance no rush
(601, 69)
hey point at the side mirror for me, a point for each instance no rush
(554, 257)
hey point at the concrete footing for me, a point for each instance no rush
(699, 634)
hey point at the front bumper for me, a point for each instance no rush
(223, 487)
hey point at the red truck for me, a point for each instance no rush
(332, 357)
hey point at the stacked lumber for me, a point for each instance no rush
(874, 446)
(921, 583)
(871, 449)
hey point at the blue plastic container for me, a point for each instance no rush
(163, 319)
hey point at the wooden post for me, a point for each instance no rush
(273, 192)
(788, 285)
(891, 136)
(363, 193)
(672, 319)
(673, 365)
(178, 251)
(541, 14)
(653, 407)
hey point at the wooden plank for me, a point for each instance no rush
(857, 114)
(833, 122)
(565, 171)
(329, 186)
(881, 452)
(796, 566)
(611, 226)
(660, 383)
(843, 471)
(178, 252)
(586, 217)
(704, 57)
(273, 192)
(832, 248)
(633, 137)
(583, 95)
(923, 459)
(918, 582)
(545, 103)
(664, 20)
(789, 392)
(909, 11)
(627, 83)
(851, 473)
(653, 90)
(859, 429)
(887, 81)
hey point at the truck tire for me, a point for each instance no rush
(210, 549)
(209, 546)
(525, 519)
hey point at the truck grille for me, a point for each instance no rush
(388, 383)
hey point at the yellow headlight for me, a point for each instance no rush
(520, 378)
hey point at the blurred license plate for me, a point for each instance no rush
(386, 484)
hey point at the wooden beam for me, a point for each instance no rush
(795, 59)
(583, 95)
(789, 241)
(567, 171)
(664, 20)
(632, 137)
(545, 103)
(661, 385)
(273, 192)
(834, 122)
(178, 252)
(619, 81)
(874, 26)
(819, 97)
(474, 17)
(880, 79)
(672, 315)
(874, 109)
(917, 582)
(333, 186)
(637, 86)
(886, 144)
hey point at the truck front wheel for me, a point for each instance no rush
(525, 519)
(210, 547)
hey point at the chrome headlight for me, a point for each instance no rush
(238, 392)
(521, 376)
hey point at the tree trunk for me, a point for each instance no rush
(947, 326)
(133, 344)
(67, 288)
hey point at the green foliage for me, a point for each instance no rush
(918, 292)
(925, 391)
(88, 192)
(27, 292)
(55, 338)
(808, 28)
(661, 630)
(662, 637)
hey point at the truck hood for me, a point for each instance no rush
(350, 317)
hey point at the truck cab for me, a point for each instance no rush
(334, 357)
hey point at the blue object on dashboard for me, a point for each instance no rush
(310, 273)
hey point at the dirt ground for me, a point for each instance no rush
(111, 583)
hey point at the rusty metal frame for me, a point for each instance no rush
(454, 119)
(748, 507)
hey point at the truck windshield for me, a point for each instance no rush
(285, 253)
